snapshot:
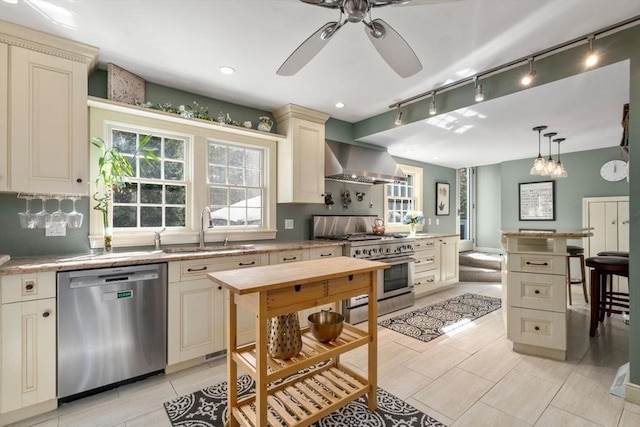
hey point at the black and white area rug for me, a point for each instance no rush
(432, 321)
(208, 408)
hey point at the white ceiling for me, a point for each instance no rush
(182, 44)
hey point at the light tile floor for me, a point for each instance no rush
(469, 377)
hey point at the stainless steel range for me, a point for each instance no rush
(395, 284)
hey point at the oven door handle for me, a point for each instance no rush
(398, 260)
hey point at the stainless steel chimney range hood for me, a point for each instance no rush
(353, 163)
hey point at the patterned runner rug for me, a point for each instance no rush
(208, 408)
(432, 321)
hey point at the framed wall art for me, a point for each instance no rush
(537, 201)
(442, 198)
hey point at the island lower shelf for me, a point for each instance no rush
(306, 399)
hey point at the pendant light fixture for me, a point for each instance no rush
(559, 171)
(527, 79)
(538, 163)
(432, 106)
(398, 120)
(592, 58)
(550, 165)
(479, 92)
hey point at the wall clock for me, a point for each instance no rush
(614, 170)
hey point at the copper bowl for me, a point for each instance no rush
(326, 325)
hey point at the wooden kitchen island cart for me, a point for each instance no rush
(312, 384)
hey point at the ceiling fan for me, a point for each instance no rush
(389, 44)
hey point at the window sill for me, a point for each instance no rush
(146, 238)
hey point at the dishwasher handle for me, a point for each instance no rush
(87, 281)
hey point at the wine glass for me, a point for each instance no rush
(74, 218)
(43, 218)
(59, 218)
(27, 218)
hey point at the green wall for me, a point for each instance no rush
(488, 207)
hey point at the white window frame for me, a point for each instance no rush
(103, 114)
(418, 196)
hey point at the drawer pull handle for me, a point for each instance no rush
(329, 254)
(542, 264)
(46, 314)
(350, 277)
(290, 259)
(417, 261)
(196, 269)
(418, 283)
(537, 328)
(246, 263)
(297, 287)
(536, 291)
(430, 280)
(29, 286)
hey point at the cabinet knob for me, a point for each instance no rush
(536, 291)
(29, 286)
(46, 314)
(537, 328)
(79, 180)
(219, 288)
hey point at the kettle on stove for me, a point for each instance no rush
(378, 226)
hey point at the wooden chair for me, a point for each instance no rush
(576, 252)
(603, 298)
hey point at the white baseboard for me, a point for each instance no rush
(489, 250)
(632, 393)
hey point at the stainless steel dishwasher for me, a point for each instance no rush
(112, 326)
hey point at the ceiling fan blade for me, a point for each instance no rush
(393, 48)
(308, 49)
(332, 4)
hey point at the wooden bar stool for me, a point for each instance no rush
(603, 298)
(576, 252)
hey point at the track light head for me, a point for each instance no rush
(432, 106)
(592, 57)
(527, 79)
(398, 120)
(479, 93)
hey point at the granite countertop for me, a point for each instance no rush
(435, 235)
(547, 233)
(99, 260)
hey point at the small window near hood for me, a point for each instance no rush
(403, 198)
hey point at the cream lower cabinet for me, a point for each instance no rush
(28, 345)
(449, 260)
(426, 277)
(196, 306)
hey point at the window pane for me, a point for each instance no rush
(253, 194)
(154, 143)
(150, 216)
(150, 169)
(254, 159)
(151, 193)
(217, 175)
(236, 156)
(128, 194)
(217, 154)
(175, 217)
(236, 176)
(175, 195)
(173, 149)
(253, 177)
(237, 196)
(174, 171)
(125, 216)
(219, 196)
(125, 142)
(237, 215)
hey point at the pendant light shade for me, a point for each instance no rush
(559, 171)
(538, 163)
(550, 165)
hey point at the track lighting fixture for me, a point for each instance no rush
(538, 163)
(528, 78)
(592, 58)
(432, 106)
(550, 165)
(559, 171)
(398, 121)
(479, 92)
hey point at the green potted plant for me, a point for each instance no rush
(113, 170)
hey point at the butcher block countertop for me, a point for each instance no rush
(270, 277)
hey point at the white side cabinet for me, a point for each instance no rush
(426, 278)
(449, 260)
(196, 306)
(28, 345)
(300, 155)
(47, 138)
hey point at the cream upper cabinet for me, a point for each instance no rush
(4, 117)
(27, 344)
(300, 155)
(47, 138)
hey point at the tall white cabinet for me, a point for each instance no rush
(608, 219)
(45, 139)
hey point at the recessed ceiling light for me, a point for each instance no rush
(339, 104)
(227, 70)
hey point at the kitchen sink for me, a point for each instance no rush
(219, 248)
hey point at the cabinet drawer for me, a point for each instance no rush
(198, 269)
(352, 285)
(537, 327)
(422, 244)
(537, 291)
(424, 262)
(283, 257)
(27, 287)
(327, 252)
(426, 277)
(295, 294)
(537, 263)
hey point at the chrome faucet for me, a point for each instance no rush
(157, 239)
(209, 221)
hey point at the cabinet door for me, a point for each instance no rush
(28, 370)
(308, 161)
(449, 260)
(623, 226)
(195, 320)
(48, 135)
(4, 116)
